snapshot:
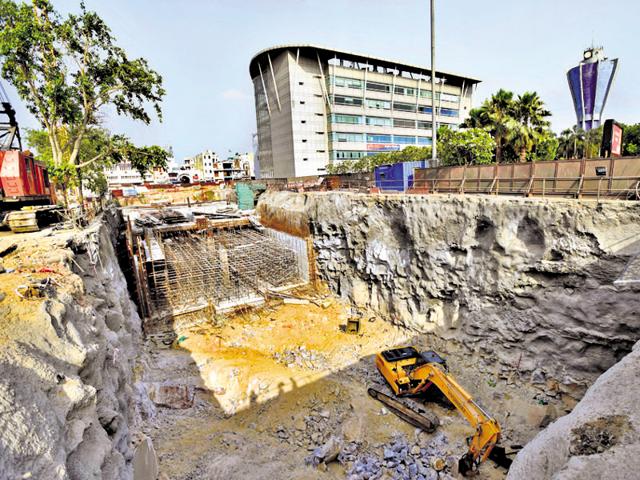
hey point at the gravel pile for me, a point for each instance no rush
(302, 357)
(403, 460)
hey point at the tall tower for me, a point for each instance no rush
(590, 82)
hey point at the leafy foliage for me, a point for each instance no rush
(518, 126)
(96, 143)
(465, 147)
(631, 139)
(369, 163)
(68, 70)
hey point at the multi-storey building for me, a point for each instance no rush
(315, 106)
(208, 166)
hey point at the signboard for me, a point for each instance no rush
(616, 141)
(383, 147)
(611, 139)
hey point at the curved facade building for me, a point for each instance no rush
(316, 106)
(590, 83)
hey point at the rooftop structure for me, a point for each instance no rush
(590, 83)
(315, 106)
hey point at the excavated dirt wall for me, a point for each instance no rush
(67, 403)
(525, 283)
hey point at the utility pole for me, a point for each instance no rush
(434, 148)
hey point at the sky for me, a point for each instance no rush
(203, 48)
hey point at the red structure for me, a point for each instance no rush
(23, 180)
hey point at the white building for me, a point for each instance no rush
(318, 106)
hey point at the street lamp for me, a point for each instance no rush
(434, 129)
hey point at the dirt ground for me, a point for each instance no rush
(271, 385)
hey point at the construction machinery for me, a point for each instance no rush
(26, 197)
(409, 372)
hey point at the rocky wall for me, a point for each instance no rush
(526, 283)
(67, 358)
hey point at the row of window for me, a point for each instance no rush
(384, 122)
(373, 138)
(385, 105)
(386, 88)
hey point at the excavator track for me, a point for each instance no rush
(427, 423)
(31, 219)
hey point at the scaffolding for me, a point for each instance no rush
(189, 270)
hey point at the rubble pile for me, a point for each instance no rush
(302, 357)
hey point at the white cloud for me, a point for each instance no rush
(234, 94)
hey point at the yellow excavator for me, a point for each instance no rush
(409, 372)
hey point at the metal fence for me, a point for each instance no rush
(600, 178)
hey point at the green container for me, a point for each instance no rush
(248, 193)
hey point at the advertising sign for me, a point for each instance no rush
(383, 147)
(616, 141)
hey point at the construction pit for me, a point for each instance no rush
(234, 357)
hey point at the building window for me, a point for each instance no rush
(424, 109)
(347, 154)
(449, 97)
(347, 82)
(347, 137)
(378, 87)
(379, 121)
(342, 100)
(424, 141)
(404, 123)
(424, 125)
(380, 104)
(379, 138)
(405, 91)
(448, 112)
(352, 119)
(404, 107)
(404, 139)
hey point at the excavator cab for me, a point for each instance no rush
(397, 364)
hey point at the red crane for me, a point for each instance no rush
(24, 183)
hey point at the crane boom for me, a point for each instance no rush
(9, 129)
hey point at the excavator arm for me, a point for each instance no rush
(487, 430)
(410, 373)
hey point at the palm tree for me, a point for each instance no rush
(565, 142)
(478, 118)
(499, 111)
(529, 115)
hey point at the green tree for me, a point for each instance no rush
(465, 147)
(631, 139)
(528, 123)
(370, 162)
(68, 71)
(545, 148)
(105, 150)
(499, 110)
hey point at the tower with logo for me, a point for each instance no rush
(590, 83)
